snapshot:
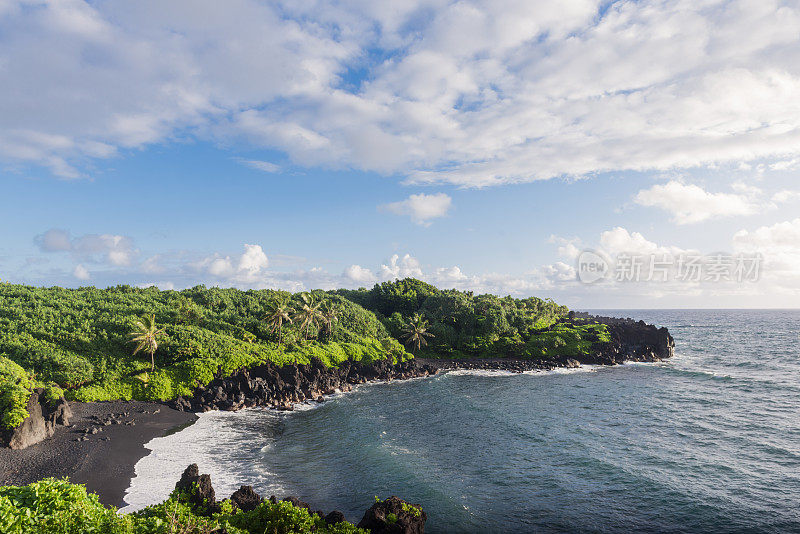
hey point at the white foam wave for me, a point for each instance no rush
(212, 443)
(565, 370)
(481, 372)
(533, 372)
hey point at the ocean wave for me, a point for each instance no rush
(564, 370)
(216, 443)
(479, 372)
(533, 372)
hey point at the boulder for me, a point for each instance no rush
(394, 516)
(198, 489)
(246, 499)
(33, 429)
(297, 502)
(61, 414)
(334, 517)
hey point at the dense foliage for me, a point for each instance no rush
(459, 323)
(79, 339)
(54, 506)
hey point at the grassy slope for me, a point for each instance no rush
(78, 339)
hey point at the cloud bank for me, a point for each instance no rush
(468, 93)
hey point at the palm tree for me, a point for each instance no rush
(330, 316)
(309, 314)
(415, 332)
(146, 335)
(279, 314)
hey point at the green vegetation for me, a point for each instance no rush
(439, 323)
(411, 509)
(54, 506)
(15, 389)
(79, 340)
(145, 335)
(415, 332)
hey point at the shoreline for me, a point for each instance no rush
(103, 461)
(107, 439)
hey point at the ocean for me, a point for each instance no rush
(708, 441)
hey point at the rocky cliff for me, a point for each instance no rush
(280, 387)
(43, 417)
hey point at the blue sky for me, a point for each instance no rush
(475, 145)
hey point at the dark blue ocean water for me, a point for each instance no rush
(706, 442)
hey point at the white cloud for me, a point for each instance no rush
(253, 259)
(474, 94)
(560, 272)
(359, 274)
(784, 236)
(54, 240)
(619, 240)
(785, 196)
(449, 275)
(219, 266)
(401, 267)
(81, 273)
(690, 204)
(247, 270)
(163, 286)
(779, 245)
(785, 165)
(568, 248)
(421, 208)
(259, 165)
(152, 266)
(99, 248)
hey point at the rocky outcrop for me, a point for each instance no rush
(198, 490)
(41, 421)
(633, 341)
(245, 498)
(390, 516)
(394, 516)
(280, 387)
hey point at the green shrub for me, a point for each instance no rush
(15, 390)
(411, 509)
(284, 518)
(463, 324)
(53, 506)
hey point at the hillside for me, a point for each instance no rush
(79, 340)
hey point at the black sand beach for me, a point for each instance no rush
(104, 461)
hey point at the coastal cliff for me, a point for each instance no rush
(280, 387)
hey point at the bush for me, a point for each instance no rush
(54, 506)
(15, 390)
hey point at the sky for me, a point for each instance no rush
(509, 147)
